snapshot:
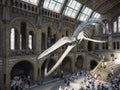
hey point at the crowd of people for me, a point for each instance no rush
(20, 83)
(91, 82)
(87, 81)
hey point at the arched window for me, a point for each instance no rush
(116, 45)
(30, 41)
(67, 33)
(119, 24)
(23, 36)
(53, 39)
(104, 30)
(114, 26)
(90, 48)
(43, 41)
(20, 41)
(21, 5)
(105, 46)
(49, 34)
(12, 39)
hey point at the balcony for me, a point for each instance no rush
(21, 52)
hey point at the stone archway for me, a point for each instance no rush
(23, 68)
(48, 63)
(79, 62)
(93, 64)
(66, 65)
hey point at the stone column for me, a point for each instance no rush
(35, 70)
(73, 63)
(37, 39)
(27, 39)
(18, 40)
(110, 43)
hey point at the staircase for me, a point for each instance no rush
(105, 71)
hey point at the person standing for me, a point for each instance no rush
(112, 71)
(12, 85)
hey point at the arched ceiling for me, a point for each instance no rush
(104, 7)
(80, 9)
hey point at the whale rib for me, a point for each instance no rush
(55, 46)
(93, 40)
(69, 48)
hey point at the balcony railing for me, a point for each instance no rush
(21, 52)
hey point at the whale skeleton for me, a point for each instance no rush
(78, 35)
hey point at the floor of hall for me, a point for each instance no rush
(56, 84)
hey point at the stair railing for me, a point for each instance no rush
(99, 65)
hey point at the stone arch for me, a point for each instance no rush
(67, 65)
(23, 43)
(67, 31)
(47, 64)
(52, 26)
(51, 34)
(79, 62)
(24, 19)
(21, 68)
(93, 64)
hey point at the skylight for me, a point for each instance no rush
(53, 5)
(72, 8)
(96, 15)
(35, 2)
(84, 15)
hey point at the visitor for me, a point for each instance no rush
(12, 85)
(105, 64)
(60, 88)
(68, 82)
(112, 71)
(21, 84)
(61, 74)
(26, 86)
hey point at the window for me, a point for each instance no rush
(12, 39)
(72, 8)
(96, 46)
(53, 5)
(20, 41)
(96, 15)
(115, 27)
(104, 30)
(105, 46)
(23, 37)
(84, 15)
(35, 2)
(30, 42)
(119, 24)
(116, 45)
(43, 41)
